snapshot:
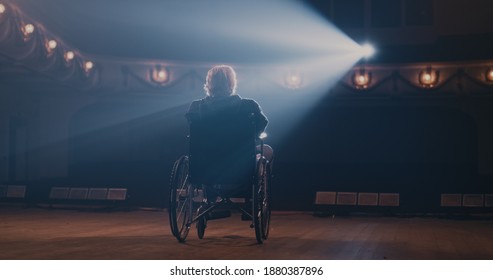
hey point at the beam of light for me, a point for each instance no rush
(253, 31)
(262, 40)
(367, 50)
(312, 57)
(271, 37)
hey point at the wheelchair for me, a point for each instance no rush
(225, 161)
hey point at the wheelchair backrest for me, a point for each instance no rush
(222, 147)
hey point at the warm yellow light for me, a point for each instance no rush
(88, 65)
(52, 44)
(428, 78)
(28, 29)
(2, 8)
(361, 79)
(162, 74)
(159, 75)
(69, 56)
(489, 75)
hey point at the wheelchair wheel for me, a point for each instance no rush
(261, 201)
(181, 204)
(266, 211)
(201, 225)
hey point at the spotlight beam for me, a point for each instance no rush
(367, 50)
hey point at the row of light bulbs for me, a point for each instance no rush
(50, 45)
(158, 74)
(427, 78)
(362, 78)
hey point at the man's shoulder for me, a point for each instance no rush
(249, 102)
(194, 106)
(198, 101)
(235, 99)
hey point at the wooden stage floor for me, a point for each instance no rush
(35, 233)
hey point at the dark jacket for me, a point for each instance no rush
(234, 102)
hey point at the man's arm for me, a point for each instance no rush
(260, 119)
(193, 111)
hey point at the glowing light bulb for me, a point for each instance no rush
(69, 56)
(293, 80)
(88, 65)
(52, 44)
(263, 135)
(159, 74)
(2, 8)
(489, 75)
(361, 79)
(28, 29)
(428, 78)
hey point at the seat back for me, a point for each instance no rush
(222, 148)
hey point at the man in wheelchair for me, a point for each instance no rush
(227, 158)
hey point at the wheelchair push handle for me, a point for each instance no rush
(261, 138)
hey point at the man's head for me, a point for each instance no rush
(220, 81)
